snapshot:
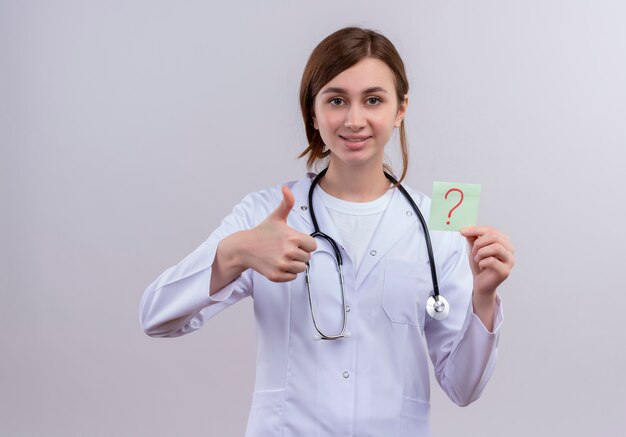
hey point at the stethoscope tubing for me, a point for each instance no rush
(429, 246)
(437, 306)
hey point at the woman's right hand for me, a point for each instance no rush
(274, 249)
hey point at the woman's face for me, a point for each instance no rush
(356, 112)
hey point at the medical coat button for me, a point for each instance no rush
(373, 253)
(346, 375)
(304, 208)
(409, 213)
(347, 308)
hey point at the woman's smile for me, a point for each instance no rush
(353, 142)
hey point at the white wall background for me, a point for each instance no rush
(128, 129)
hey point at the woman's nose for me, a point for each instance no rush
(355, 118)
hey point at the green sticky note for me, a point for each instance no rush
(454, 205)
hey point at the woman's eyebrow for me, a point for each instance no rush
(375, 89)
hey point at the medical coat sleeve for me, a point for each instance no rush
(461, 348)
(177, 301)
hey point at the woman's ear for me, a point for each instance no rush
(401, 111)
(314, 122)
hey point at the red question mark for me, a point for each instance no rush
(455, 206)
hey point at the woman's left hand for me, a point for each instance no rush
(491, 257)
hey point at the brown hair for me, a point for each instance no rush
(334, 54)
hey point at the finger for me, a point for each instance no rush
(470, 243)
(488, 239)
(300, 255)
(476, 230)
(279, 276)
(294, 267)
(494, 250)
(283, 210)
(503, 270)
(307, 243)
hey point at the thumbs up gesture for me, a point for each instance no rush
(276, 250)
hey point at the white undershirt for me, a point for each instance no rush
(356, 221)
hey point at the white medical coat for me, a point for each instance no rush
(373, 383)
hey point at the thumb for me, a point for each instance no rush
(285, 206)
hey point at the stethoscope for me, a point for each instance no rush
(437, 306)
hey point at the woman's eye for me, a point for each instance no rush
(336, 101)
(373, 100)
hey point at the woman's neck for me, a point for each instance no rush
(355, 184)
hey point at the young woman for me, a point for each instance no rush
(340, 349)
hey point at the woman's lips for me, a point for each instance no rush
(354, 142)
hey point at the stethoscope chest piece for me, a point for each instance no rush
(438, 308)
